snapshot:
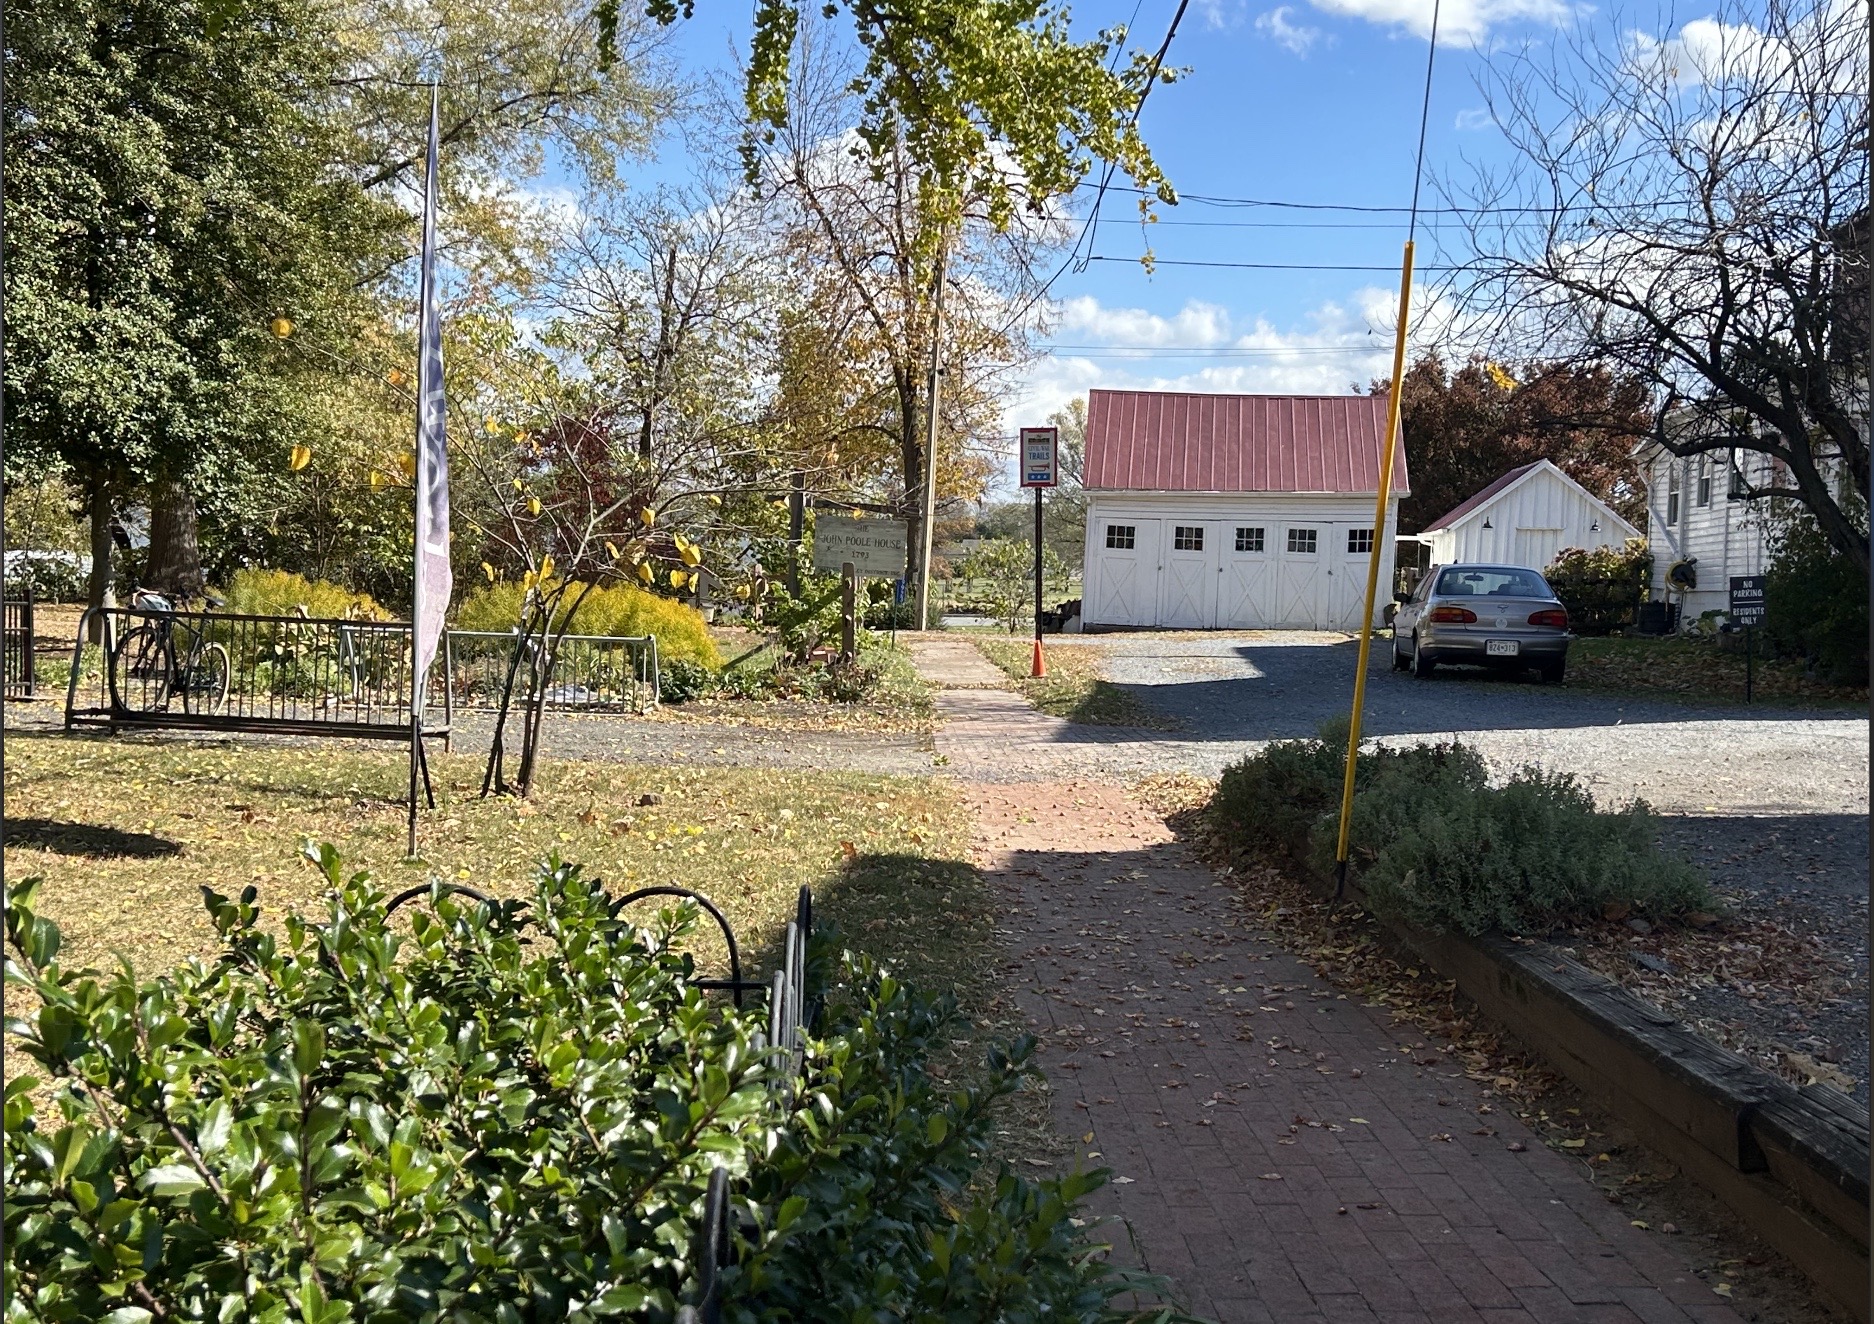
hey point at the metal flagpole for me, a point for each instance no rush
(422, 472)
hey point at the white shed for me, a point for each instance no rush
(1233, 511)
(1525, 518)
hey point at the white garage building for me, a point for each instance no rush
(1233, 511)
(1525, 518)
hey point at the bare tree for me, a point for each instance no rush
(1691, 208)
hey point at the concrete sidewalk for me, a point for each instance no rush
(1283, 1153)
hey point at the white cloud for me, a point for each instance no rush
(1296, 37)
(1334, 347)
(1222, 15)
(1474, 117)
(1196, 326)
(1458, 20)
(1331, 348)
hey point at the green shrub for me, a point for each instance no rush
(611, 609)
(1435, 845)
(1603, 588)
(1817, 604)
(682, 680)
(1442, 852)
(504, 1114)
(1268, 803)
(283, 593)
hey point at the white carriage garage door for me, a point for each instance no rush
(1352, 554)
(1126, 592)
(1188, 585)
(1301, 578)
(1246, 586)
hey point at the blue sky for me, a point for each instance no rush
(1296, 101)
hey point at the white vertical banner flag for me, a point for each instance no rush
(434, 580)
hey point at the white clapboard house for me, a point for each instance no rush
(1524, 518)
(1697, 518)
(1233, 511)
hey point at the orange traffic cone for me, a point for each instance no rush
(1041, 665)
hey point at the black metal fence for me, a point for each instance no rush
(298, 675)
(17, 636)
(591, 673)
(223, 671)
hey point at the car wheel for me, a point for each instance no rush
(1399, 662)
(1553, 672)
(1423, 664)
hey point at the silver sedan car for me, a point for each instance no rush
(1503, 616)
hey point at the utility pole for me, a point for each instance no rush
(930, 444)
(796, 529)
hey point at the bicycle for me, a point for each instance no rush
(167, 658)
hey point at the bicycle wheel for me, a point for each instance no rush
(204, 683)
(141, 670)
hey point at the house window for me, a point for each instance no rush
(1120, 537)
(1249, 540)
(1187, 538)
(1303, 540)
(1672, 494)
(1704, 480)
(1739, 489)
(1359, 540)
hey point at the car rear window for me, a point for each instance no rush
(1489, 582)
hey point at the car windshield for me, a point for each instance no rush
(1491, 582)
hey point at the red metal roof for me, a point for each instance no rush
(1173, 441)
(1465, 507)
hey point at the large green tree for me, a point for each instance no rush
(171, 216)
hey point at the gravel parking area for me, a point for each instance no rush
(1230, 694)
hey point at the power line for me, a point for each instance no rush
(1204, 351)
(1285, 204)
(1270, 266)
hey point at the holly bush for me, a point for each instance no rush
(501, 1112)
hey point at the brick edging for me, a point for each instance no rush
(1791, 1162)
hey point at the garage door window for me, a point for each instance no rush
(1359, 540)
(1249, 540)
(1303, 540)
(1120, 537)
(1187, 538)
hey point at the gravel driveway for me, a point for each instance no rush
(1233, 692)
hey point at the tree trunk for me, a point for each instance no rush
(99, 592)
(175, 567)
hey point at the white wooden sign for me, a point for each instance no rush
(876, 547)
(1040, 457)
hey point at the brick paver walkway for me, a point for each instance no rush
(1283, 1153)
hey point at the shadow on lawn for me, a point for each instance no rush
(88, 840)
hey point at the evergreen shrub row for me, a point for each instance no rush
(500, 1114)
(1433, 843)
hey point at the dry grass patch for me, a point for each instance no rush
(126, 832)
(1074, 687)
(1697, 671)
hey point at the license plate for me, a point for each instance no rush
(1501, 647)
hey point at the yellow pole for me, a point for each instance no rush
(1372, 570)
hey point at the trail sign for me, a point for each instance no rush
(875, 547)
(1747, 600)
(1041, 457)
